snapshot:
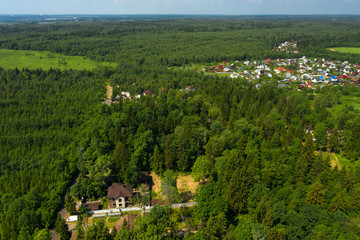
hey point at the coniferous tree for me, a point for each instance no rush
(70, 204)
(169, 154)
(316, 194)
(239, 187)
(157, 163)
(121, 159)
(62, 228)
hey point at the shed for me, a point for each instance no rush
(72, 218)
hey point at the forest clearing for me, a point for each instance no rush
(185, 184)
(45, 60)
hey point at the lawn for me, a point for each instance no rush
(46, 60)
(353, 50)
(111, 222)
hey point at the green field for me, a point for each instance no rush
(46, 60)
(353, 50)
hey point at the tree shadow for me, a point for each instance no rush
(186, 196)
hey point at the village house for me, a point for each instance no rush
(125, 95)
(190, 88)
(119, 195)
(148, 92)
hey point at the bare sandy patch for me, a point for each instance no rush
(156, 182)
(334, 161)
(109, 91)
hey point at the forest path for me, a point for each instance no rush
(64, 214)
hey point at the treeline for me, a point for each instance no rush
(182, 41)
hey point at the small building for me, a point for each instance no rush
(155, 202)
(309, 129)
(125, 95)
(234, 75)
(148, 92)
(73, 218)
(190, 88)
(301, 87)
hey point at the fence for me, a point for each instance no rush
(119, 211)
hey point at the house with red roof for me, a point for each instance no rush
(148, 92)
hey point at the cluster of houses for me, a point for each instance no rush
(221, 68)
(126, 95)
(338, 133)
(303, 71)
(288, 47)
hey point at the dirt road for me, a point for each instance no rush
(109, 91)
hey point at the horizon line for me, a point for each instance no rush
(173, 14)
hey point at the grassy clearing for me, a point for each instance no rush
(46, 60)
(348, 100)
(353, 50)
(113, 219)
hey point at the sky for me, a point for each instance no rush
(218, 7)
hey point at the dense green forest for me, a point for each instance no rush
(262, 176)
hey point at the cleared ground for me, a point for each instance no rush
(46, 60)
(185, 184)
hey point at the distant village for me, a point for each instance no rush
(304, 72)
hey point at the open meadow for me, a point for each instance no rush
(46, 60)
(354, 50)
